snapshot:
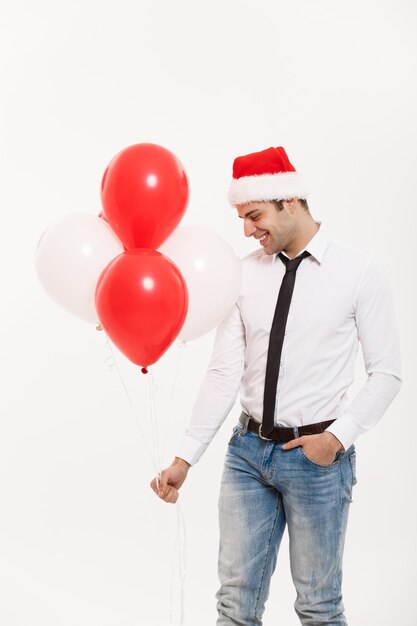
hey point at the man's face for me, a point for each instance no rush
(272, 228)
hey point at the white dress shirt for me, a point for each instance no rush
(340, 297)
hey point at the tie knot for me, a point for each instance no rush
(292, 264)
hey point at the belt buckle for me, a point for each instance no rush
(260, 434)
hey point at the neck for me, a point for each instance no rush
(306, 234)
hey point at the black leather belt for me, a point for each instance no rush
(283, 433)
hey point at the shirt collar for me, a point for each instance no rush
(317, 245)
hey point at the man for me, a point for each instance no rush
(290, 345)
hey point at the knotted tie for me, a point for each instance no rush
(276, 339)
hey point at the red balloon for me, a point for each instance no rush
(142, 302)
(144, 193)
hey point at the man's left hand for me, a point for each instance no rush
(321, 448)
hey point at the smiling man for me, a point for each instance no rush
(289, 345)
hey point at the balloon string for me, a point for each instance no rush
(180, 538)
(154, 426)
(157, 460)
(181, 346)
(114, 365)
(180, 547)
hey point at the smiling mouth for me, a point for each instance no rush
(263, 239)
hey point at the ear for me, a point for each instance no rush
(291, 204)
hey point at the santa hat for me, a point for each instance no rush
(265, 175)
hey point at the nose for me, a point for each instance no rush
(248, 228)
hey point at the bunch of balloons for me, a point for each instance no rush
(109, 268)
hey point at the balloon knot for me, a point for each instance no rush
(144, 370)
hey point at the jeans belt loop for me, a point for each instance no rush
(244, 420)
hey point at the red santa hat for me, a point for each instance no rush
(265, 175)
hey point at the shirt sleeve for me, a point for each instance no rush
(219, 389)
(377, 332)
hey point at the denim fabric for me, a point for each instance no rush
(263, 489)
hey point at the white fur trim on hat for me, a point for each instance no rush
(267, 187)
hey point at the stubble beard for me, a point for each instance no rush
(275, 245)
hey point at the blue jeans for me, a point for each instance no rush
(263, 489)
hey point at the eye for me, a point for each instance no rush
(254, 218)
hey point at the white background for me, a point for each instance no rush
(83, 540)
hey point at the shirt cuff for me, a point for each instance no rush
(346, 430)
(191, 450)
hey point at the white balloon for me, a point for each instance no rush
(212, 272)
(70, 257)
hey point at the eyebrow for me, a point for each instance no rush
(248, 214)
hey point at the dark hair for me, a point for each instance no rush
(278, 204)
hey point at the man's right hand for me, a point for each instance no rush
(170, 480)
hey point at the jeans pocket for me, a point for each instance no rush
(334, 462)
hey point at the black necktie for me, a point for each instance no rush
(276, 339)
